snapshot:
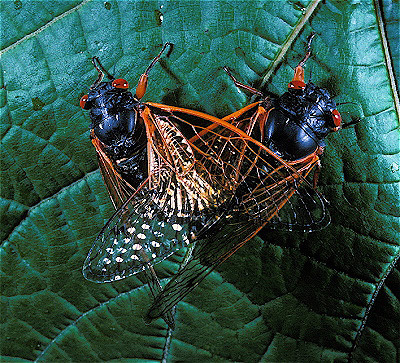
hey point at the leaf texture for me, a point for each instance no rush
(323, 296)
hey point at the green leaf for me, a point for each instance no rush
(331, 295)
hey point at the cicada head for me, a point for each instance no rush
(319, 111)
(311, 105)
(112, 107)
(300, 119)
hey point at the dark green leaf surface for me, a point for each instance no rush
(325, 296)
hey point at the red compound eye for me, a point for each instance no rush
(296, 85)
(83, 100)
(337, 119)
(120, 83)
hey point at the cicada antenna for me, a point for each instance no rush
(156, 59)
(297, 82)
(143, 80)
(307, 55)
(241, 85)
(102, 71)
(345, 103)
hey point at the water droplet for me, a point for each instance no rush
(17, 4)
(394, 167)
(159, 17)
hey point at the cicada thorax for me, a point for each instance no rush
(118, 129)
(298, 122)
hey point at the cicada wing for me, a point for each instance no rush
(208, 253)
(302, 209)
(139, 234)
(155, 288)
(305, 211)
(267, 189)
(118, 189)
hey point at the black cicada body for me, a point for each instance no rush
(158, 180)
(269, 149)
(305, 116)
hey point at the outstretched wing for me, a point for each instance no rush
(268, 185)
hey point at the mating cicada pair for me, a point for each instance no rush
(181, 178)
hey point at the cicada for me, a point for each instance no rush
(166, 190)
(269, 150)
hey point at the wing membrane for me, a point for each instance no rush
(118, 189)
(264, 185)
(177, 201)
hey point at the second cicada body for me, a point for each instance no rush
(269, 149)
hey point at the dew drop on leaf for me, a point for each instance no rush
(159, 17)
(17, 4)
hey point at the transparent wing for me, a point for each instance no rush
(137, 235)
(266, 188)
(305, 211)
(226, 237)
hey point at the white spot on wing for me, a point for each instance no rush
(134, 257)
(145, 226)
(185, 239)
(177, 227)
(131, 230)
(155, 244)
(141, 236)
(119, 259)
(137, 247)
(107, 261)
